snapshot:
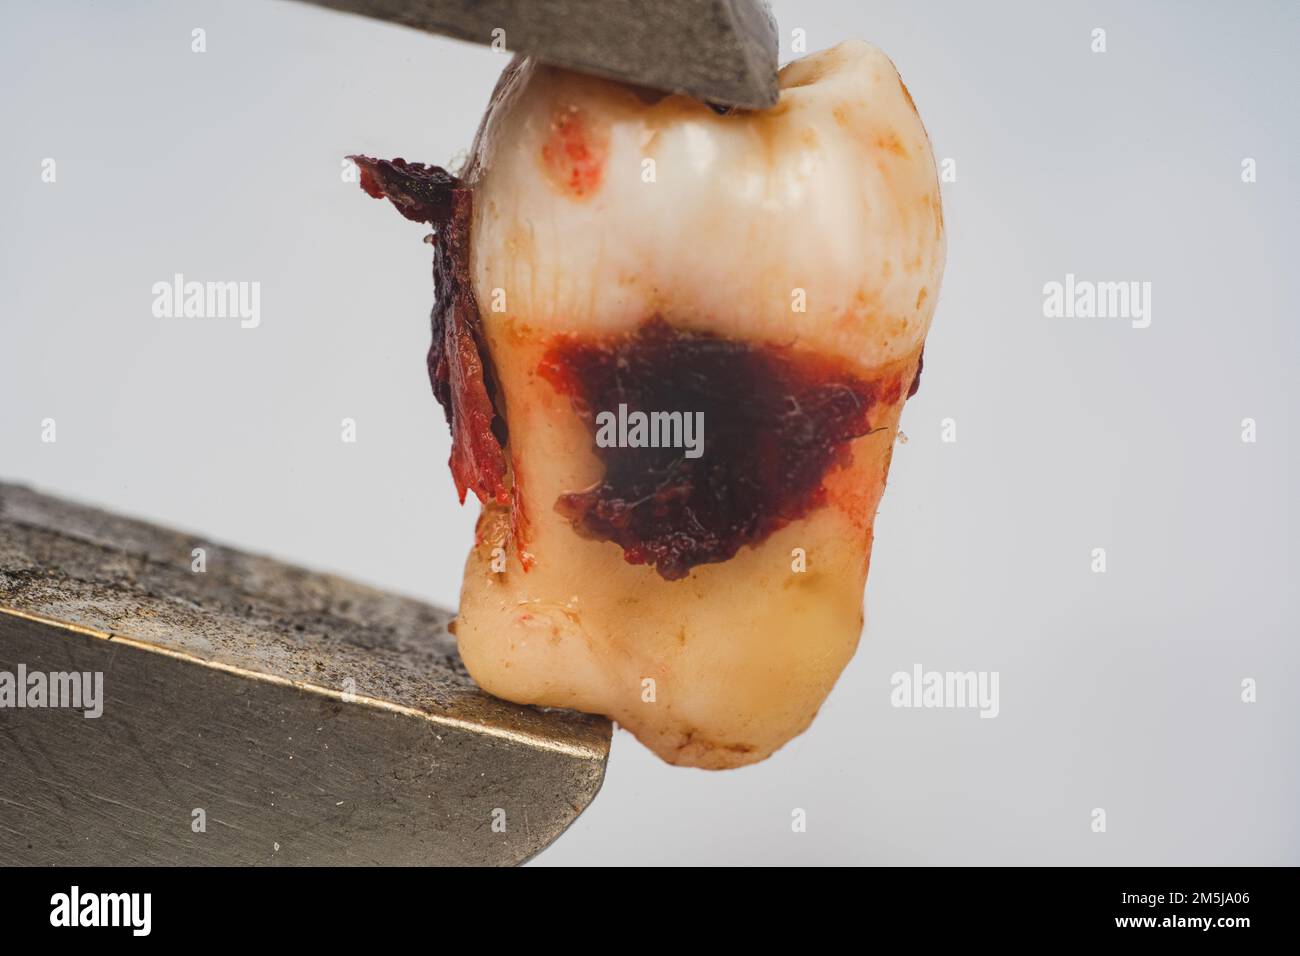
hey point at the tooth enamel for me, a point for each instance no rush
(745, 208)
(831, 196)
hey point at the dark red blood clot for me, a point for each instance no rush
(459, 368)
(420, 193)
(775, 422)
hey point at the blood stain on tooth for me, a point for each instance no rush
(890, 143)
(775, 423)
(916, 379)
(574, 153)
(520, 531)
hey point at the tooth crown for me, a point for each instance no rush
(816, 223)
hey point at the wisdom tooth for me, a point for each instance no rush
(774, 272)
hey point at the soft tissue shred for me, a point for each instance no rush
(460, 369)
(775, 422)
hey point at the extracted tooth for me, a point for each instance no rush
(674, 347)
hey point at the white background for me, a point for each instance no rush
(1119, 691)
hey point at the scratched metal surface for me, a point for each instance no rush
(310, 719)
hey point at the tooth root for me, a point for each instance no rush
(774, 271)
